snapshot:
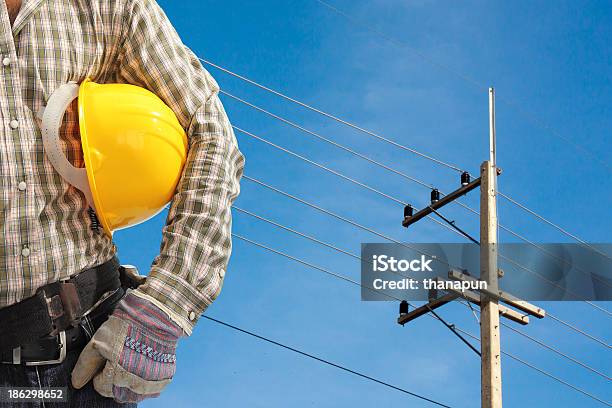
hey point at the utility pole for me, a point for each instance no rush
(489, 298)
(491, 388)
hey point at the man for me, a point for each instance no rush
(59, 279)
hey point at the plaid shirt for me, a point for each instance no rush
(45, 230)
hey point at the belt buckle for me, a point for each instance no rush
(62, 343)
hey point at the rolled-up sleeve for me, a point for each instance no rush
(187, 275)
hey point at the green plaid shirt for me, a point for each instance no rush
(45, 230)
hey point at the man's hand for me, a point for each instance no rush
(132, 355)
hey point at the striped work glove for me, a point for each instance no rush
(132, 355)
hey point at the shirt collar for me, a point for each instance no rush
(28, 7)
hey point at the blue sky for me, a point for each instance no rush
(551, 59)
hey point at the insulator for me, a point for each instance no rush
(403, 307)
(95, 224)
(465, 178)
(408, 211)
(435, 195)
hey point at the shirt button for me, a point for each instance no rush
(14, 124)
(6, 61)
(25, 252)
(192, 315)
(22, 186)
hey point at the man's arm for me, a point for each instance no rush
(188, 273)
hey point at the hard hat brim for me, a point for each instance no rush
(82, 102)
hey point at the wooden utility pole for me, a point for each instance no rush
(488, 299)
(491, 387)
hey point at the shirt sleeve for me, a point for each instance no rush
(187, 275)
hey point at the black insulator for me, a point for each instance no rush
(465, 178)
(408, 211)
(435, 195)
(403, 307)
(95, 224)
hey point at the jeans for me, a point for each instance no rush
(58, 375)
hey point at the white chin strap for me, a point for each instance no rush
(52, 117)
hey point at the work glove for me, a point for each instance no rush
(132, 356)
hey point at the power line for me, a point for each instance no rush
(415, 180)
(339, 276)
(296, 232)
(395, 41)
(552, 283)
(330, 246)
(327, 140)
(557, 351)
(306, 236)
(577, 330)
(374, 232)
(352, 126)
(313, 266)
(517, 107)
(455, 329)
(336, 173)
(533, 367)
(538, 247)
(325, 361)
(552, 224)
(554, 318)
(337, 119)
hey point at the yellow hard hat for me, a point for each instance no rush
(133, 145)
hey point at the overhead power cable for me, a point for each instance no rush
(296, 232)
(325, 361)
(547, 374)
(370, 230)
(415, 180)
(546, 252)
(329, 141)
(516, 106)
(293, 100)
(557, 351)
(339, 276)
(577, 330)
(313, 266)
(329, 170)
(468, 305)
(337, 119)
(374, 232)
(396, 200)
(456, 329)
(552, 224)
(325, 168)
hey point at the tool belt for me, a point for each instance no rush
(62, 316)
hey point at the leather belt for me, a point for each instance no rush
(52, 349)
(52, 318)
